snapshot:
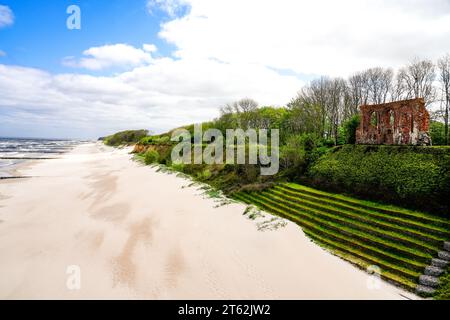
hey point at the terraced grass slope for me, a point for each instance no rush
(402, 243)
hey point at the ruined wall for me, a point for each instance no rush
(396, 123)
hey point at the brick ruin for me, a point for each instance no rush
(396, 123)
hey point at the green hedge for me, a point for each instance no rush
(418, 177)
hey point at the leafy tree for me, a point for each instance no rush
(349, 129)
(437, 133)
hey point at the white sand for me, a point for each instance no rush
(136, 233)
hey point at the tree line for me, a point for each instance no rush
(326, 104)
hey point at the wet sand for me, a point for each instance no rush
(135, 233)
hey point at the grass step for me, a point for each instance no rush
(391, 250)
(390, 271)
(430, 233)
(349, 255)
(379, 228)
(387, 261)
(391, 210)
(357, 230)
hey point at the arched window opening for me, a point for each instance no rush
(374, 119)
(391, 118)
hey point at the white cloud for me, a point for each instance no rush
(170, 7)
(159, 96)
(226, 50)
(109, 56)
(6, 16)
(315, 37)
(150, 48)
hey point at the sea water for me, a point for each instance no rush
(14, 151)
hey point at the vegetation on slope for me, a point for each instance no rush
(125, 137)
(443, 292)
(398, 241)
(412, 176)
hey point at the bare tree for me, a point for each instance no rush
(245, 105)
(418, 78)
(444, 78)
(317, 94)
(357, 91)
(398, 89)
(226, 109)
(379, 82)
(372, 86)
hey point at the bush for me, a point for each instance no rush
(151, 156)
(206, 174)
(411, 176)
(437, 133)
(349, 129)
(178, 167)
(155, 140)
(125, 137)
(443, 292)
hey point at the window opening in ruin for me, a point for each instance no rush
(374, 119)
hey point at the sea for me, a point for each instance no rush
(14, 151)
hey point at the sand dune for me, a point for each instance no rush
(137, 233)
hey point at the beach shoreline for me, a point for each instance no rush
(135, 233)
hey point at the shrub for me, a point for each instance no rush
(206, 174)
(125, 137)
(178, 167)
(155, 140)
(349, 129)
(412, 176)
(151, 156)
(437, 133)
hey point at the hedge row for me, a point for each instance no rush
(416, 177)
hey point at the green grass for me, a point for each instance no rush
(389, 209)
(443, 292)
(420, 234)
(401, 242)
(347, 220)
(413, 236)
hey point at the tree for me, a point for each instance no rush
(437, 133)
(357, 91)
(418, 78)
(245, 105)
(444, 77)
(317, 94)
(379, 83)
(335, 103)
(397, 89)
(372, 86)
(349, 129)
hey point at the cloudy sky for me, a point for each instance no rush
(158, 64)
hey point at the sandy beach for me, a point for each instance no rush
(136, 233)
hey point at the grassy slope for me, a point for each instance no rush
(443, 292)
(401, 242)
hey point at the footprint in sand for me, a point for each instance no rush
(175, 265)
(124, 268)
(114, 213)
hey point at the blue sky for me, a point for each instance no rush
(39, 37)
(159, 64)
